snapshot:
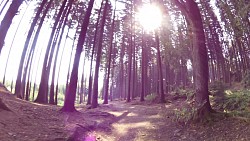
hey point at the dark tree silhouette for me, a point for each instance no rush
(94, 102)
(161, 90)
(18, 87)
(92, 55)
(42, 96)
(69, 102)
(52, 86)
(143, 73)
(7, 20)
(109, 60)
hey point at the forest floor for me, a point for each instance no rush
(117, 121)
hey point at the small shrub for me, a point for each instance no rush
(151, 97)
(188, 93)
(217, 89)
(185, 115)
(234, 103)
(238, 101)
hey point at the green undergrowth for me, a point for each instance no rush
(151, 97)
(188, 93)
(184, 115)
(236, 103)
(232, 102)
(225, 101)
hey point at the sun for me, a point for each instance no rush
(150, 17)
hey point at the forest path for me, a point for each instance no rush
(142, 121)
(116, 121)
(137, 121)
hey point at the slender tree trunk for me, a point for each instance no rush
(3, 6)
(69, 65)
(161, 89)
(42, 96)
(31, 52)
(92, 56)
(237, 65)
(11, 86)
(94, 103)
(121, 80)
(7, 20)
(134, 69)
(112, 82)
(130, 56)
(27, 71)
(56, 93)
(18, 26)
(82, 81)
(142, 69)
(109, 60)
(36, 71)
(52, 92)
(69, 102)
(28, 38)
(27, 90)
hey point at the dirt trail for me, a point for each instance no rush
(141, 122)
(117, 121)
(156, 122)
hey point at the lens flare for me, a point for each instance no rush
(150, 17)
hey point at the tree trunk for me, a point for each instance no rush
(58, 75)
(121, 76)
(142, 70)
(109, 60)
(161, 89)
(69, 102)
(42, 96)
(52, 92)
(28, 38)
(7, 20)
(82, 81)
(31, 52)
(200, 63)
(18, 26)
(92, 56)
(29, 82)
(69, 65)
(94, 103)
(3, 6)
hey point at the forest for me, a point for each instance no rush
(124, 70)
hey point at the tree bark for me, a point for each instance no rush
(18, 86)
(92, 56)
(109, 59)
(143, 69)
(42, 96)
(161, 89)
(52, 85)
(7, 20)
(69, 102)
(18, 26)
(200, 63)
(94, 103)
